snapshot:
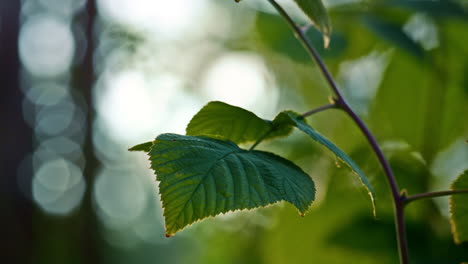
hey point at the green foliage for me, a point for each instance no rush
(394, 34)
(459, 209)
(317, 13)
(445, 8)
(224, 121)
(228, 122)
(205, 173)
(201, 177)
(289, 117)
(415, 104)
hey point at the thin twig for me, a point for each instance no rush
(427, 195)
(319, 109)
(341, 102)
(397, 199)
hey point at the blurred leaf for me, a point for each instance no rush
(445, 8)
(336, 47)
(459, 210)
(317, 13)
(393, 33)
(146, 147)
(291, 118)
(380, 240)
(276, 34)
(201, 177)
(228, 122)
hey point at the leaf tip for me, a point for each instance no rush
(168, 235)
(326, 41)
(146, 147)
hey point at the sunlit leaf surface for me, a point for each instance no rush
(201, 177)
(228, 122)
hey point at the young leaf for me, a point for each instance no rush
(291, 118)
(459, 210)
(228, 122)
(317, 13)
(146, 147)
(202, 177)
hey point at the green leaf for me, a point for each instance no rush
(228, 122)
(438, 9)
(202, 177)
(146, 147)
(317, 13)
(459, 209)
(292, 118)
(394, 34)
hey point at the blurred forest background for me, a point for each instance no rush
(83, 80)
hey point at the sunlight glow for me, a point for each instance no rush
(58, 186)
(135, 107)
(46, 45)
(421, 28)
(119, 196)
(241, 79)
(171, 18)
(361, 78)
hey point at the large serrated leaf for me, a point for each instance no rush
(201, 177)
(228, 122)
(459, 209)
(292, 118)
(317, 13)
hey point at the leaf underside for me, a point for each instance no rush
(202, 177)
(459, 210)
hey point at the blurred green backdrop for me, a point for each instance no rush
(87, 79)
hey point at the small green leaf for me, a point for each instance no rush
(459, 209)
(228, 122)
(146, 147)
(292, 118)
(317, 13)
(202, 177)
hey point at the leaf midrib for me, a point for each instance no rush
(207, 174)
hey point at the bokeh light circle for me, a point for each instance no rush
(46, 45)
(58, 186)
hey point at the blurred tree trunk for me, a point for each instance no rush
(15, 145)
(83, 80)
(75, 238)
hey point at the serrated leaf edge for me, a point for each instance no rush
(453, 225)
